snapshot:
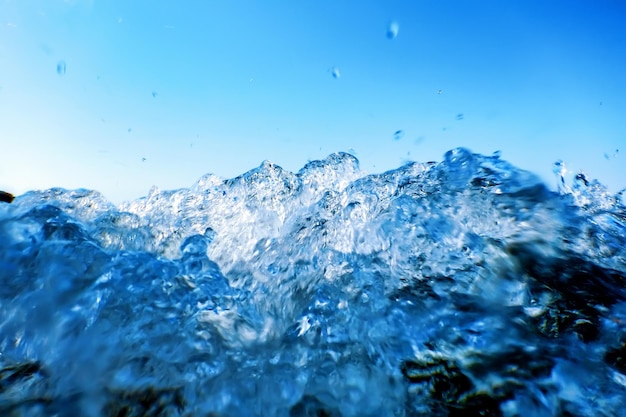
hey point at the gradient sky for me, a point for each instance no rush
(120, 95)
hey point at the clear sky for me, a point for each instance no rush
(120, 95)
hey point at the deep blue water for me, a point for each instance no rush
(464, 287)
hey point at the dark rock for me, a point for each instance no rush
(452, 393)
(577, 286)
(6, 197)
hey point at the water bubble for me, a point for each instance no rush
(398, 134)
(334, 71)
(392, 30)
(61, 67)
(194, 245)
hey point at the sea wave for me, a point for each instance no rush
(465, 287)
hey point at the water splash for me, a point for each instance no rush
(438, 288)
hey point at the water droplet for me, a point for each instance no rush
(154, 94)
(459, 116)
(560, 170)
(582, 177)
(61, 67)
(335, 72)
(398, 134)
(392, 30)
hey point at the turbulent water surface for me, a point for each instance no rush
(464, 287)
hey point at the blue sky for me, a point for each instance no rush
(120, 95)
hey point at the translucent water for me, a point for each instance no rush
(464, 287)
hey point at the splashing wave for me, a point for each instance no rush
(464, 287)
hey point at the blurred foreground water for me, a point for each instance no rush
(464, 287)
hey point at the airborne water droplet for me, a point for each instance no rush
(398, 134)
(61, 67)
(392, 30)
